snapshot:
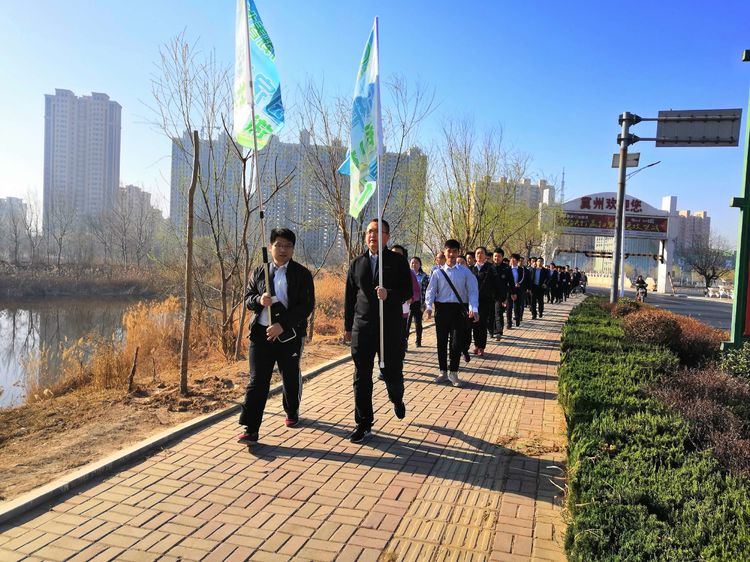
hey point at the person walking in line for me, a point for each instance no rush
(503, 276)
(518, 281)
(565, 282)
(362, 324)
(452, 294)
(417, 308)
(291, 298)
(439, 261)
(539, 281)
(415, 297)
(488, 286)
(551, 283)
(471, 259)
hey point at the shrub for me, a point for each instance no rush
(640, 486)
(652, 326)
(625, 307)
(717, 406)
(737, 361)
(699, 344)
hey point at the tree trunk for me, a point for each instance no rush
(188, 273)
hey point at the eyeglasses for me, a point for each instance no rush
(283, 246)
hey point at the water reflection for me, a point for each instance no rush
(32, 335)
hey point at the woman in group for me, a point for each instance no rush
(417, 308)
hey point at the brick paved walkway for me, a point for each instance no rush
(468, 475)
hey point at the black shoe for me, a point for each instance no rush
(533, 317)
(518, 323)
(419, 344)
(399, 410)
(467, 357)
(381, 376)
(248, 437)
(359, 434)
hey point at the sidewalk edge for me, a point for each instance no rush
(48, 492)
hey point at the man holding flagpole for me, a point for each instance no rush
(379, 280)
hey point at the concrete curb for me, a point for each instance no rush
(139, 451)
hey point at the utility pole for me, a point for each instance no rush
(740, 321)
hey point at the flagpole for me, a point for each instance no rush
(256, 167)
(378, 135)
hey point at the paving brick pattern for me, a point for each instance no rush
(446, 483)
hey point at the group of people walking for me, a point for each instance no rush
(472, 297)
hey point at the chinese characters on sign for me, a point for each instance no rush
(604, 225)
(610, 204)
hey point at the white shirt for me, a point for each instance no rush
(280, 290)
(462, 278)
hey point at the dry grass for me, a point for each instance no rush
(155, 329)
(328, 320)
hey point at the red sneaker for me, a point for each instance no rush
(291, 422)
(480, 352)
(249, 437)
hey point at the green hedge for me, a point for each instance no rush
(638, 488)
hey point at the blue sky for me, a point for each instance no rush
(554, 75)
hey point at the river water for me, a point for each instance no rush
(28, 328)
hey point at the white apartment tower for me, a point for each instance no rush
(81, 154)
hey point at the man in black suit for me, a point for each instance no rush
(565, 282)
(488, 287)
(362, 324)
(289, 300)
(501, 298)
(539, 280)
(518, 284)
(552, 283)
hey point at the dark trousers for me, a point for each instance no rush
(499, 317)
(486, 318)
(263, 356)
(537, 301)
(514, 309)
(550, 292)
(450, 328)
(415, 313)
(365, 346)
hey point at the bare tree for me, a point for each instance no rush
(325, 122)
(710, 259)
(32, 225)
(58, 226)
(14, 219)
(187, 311)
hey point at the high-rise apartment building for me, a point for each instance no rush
(693, 229)
(81, 155)
(220, 181)
(296, 183)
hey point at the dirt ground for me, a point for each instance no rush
(42, 441)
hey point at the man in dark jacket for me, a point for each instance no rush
(488, 286)
(362, 324)
(538, 282)
(501, 298)
(518, 284)
(289, 300)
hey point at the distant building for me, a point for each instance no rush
(220, 182)
(12, 229)
(295, 196)
(136, 201)
(81, 155)
(694, 229)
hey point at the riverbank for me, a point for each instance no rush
(26, 282)
(46, 439)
